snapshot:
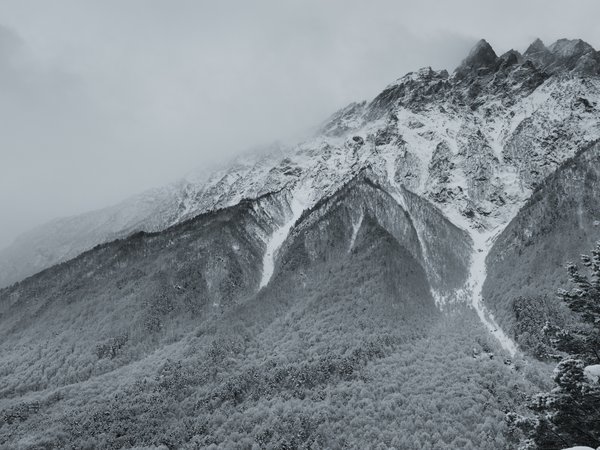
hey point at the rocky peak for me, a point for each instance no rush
(483, 75)
(413, 91)
(563, 56)
(428, 74)
(481, 55)
(343, 120)
(539, 54)
(423, 75)
(576, 56)
(566, 48)
(536, 47)
(511, 57)
(482, 58)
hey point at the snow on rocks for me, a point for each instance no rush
(592, 373)
(579, 447)
(298, 203)
(355, 228)
(482, 243)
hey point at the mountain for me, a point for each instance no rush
(375, 283)
(168, 339)
(521, 116)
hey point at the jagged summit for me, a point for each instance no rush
(536, 46)
(512, 55)
(538, 54)
(480, 75)
(482, 54)
(566, 48)
(564, 56)
(481, 58)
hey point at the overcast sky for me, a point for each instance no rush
(103, 99)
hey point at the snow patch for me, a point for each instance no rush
(355, 228)
(482, 244)
(592, 373)
(299, 201)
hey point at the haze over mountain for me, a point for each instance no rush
(381, 282)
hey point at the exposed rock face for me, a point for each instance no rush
(475, 143)
(413, 91)
(575, 56)
(539, 54)
(479, 162)
(344, 120)
(482, 60)
(510, 58)
(440, 174)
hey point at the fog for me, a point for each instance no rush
(100, 100)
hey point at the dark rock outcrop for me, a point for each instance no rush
(575, 56)
(482, 60)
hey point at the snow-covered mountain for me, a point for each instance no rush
(474, 143)
(367, 275)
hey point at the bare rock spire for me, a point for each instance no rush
(481, 59)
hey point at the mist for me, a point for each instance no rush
(102, 100)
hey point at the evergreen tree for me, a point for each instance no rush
(570, 413)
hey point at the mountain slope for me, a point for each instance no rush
(558, 223)
(124, 298)
(345, 335)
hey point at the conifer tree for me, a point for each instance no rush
(570, 413)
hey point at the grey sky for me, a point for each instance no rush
(102, 99)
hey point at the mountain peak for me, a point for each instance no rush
(481, 58)
(566, 48)
(538, 54)
(536, 47)
(565, 55)
(482, 55)
(511, 57)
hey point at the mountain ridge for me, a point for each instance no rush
(410, 96)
